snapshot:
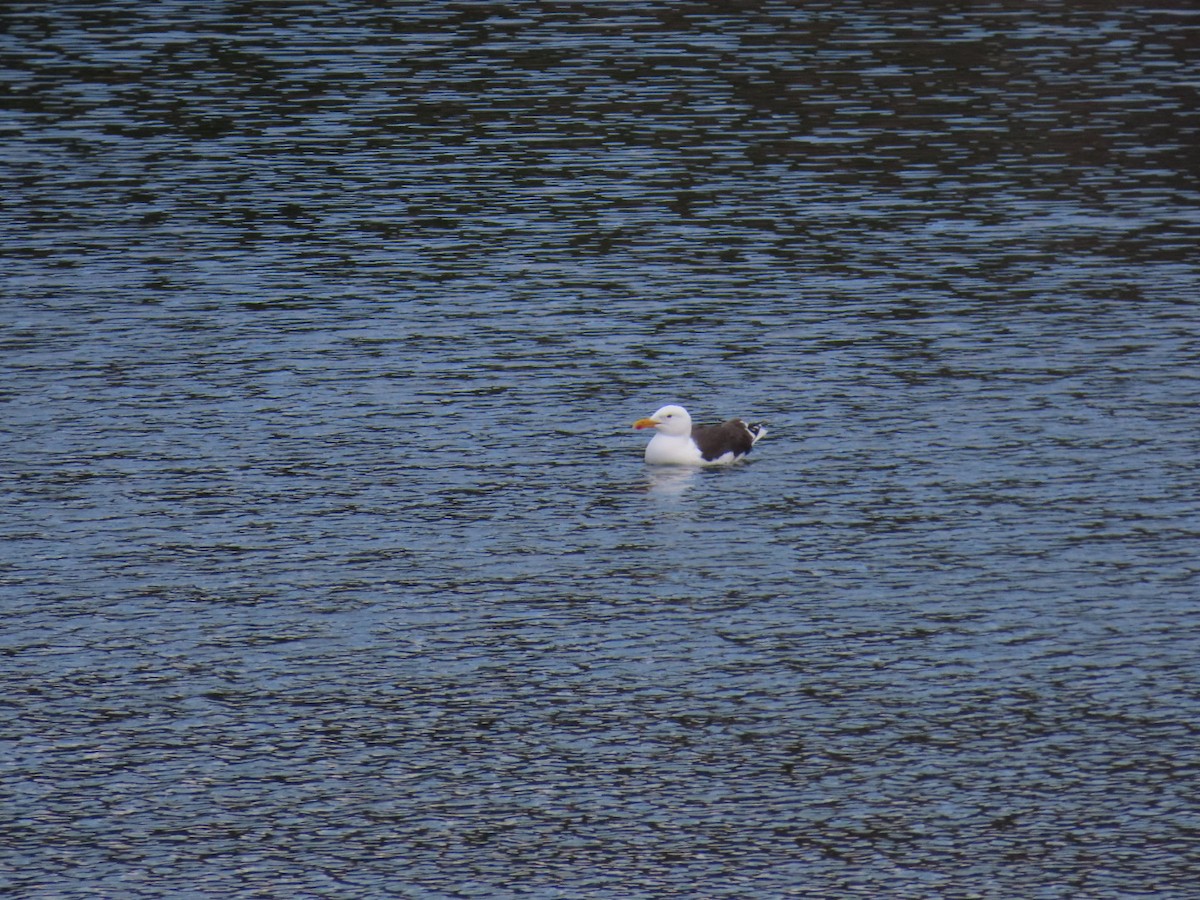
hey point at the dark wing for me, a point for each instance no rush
(715, 441)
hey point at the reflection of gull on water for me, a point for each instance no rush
(671, 482)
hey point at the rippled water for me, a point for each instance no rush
(330, 564)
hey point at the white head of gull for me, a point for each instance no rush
(678, 442)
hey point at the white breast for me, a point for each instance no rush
(672, 449)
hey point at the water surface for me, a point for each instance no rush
(330, 564)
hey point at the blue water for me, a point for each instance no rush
(329, 563)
